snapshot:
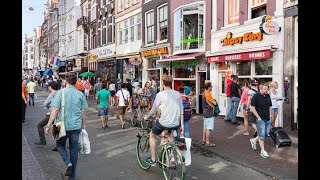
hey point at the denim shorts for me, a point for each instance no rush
(263, 128)
(208, 123)
(157, 128)
(103, 111)
(275, 110)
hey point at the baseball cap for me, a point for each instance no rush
(252, 81)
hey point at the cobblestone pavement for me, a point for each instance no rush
(30, 167)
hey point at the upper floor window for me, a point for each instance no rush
(162, 23)
(149, 32)
(138, 26)
(120, 5)
(120, 26)
(189, 27)
(231, 11)
(145, 1)
(258, 8)
(127, 3)
(135, 1)
(93, 10)
(126, 31)
(131, 39)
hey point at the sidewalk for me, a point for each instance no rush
(30, 167)
(233, 146)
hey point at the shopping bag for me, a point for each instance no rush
(187, 153)
(58, 130)
(84, 143)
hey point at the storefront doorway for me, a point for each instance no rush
(202, 77)
(222, 97)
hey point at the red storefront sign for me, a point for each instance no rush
(247, 56)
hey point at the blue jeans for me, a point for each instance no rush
(234, 106)
(263, 128)
(73, 136)
(228, 110)
(186, 130)
(31, 98)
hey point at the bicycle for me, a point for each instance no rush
(138, 112)
(170, 160)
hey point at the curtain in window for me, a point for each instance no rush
(258, 2)
(233, 11)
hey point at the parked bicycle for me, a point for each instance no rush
(169, 159)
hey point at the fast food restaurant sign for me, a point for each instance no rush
(249, 36)
(247, 56)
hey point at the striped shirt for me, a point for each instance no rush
(75, 103)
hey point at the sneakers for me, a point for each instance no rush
(68, 170)
(150, 161)
(264, 154)
(253, 144)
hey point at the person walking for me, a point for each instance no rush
(208, 106)
(275, 97)
(25, 99)
(186, 112)
(75, 104)
(97, 87)
(227, 117)
(244, 101)
(121, 96)
(53, 87)
(31, 90)
(104, 98)
(112, 89)
(253, 90)
(261, 107)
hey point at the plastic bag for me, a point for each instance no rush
(187, 153)
(84, 143)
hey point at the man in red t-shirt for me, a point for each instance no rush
(228, 92)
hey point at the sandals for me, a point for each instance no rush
(210, 145)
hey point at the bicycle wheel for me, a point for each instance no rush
(134, 118)
(173, 166)
(142, 151)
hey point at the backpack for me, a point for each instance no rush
(217, 109)
(186, 109)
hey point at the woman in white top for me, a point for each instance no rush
(112, 89)
(275, 97)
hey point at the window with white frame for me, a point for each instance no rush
(131, 39)
(135, 1)
(149, 33)
(85, 13)
(127, 4)
(231, 11)
(93, 38)
(105, 25)
(120, 5)
(138, 27)
(93, 10)
(120, 32)
(162, 23)
(258, 8)
(145, 1)
(100, 31)
(111, 29)
(125, 31)
(85, 42)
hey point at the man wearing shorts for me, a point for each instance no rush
(104, 98)
(261, 107)
(170, 104)
(208, 106)
(122, 95)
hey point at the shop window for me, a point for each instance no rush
(222, 66)
(188, 28)
(263, 67)
(243, 68)
(185, 72)
(258, 8)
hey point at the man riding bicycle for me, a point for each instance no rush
(170, 104)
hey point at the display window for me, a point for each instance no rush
(185, 72)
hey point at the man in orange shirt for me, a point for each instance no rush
(79, 85)
(25, 99)
(208, 106)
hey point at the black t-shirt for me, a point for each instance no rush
(234, 90)
(262, 104)
(129, 88)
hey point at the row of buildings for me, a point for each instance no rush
(192, 40)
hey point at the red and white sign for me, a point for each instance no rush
(247, 56)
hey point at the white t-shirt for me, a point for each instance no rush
(112, 87)
(126, 95)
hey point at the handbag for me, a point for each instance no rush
(126, 102)
(58, 128)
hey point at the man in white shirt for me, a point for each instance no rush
(121, 96)
(31, 90)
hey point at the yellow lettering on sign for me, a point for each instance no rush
(152, 52)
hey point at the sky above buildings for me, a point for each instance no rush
(31, 19)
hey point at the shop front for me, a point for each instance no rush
(105, 67)
(248, 53)
(188, 70)
(156, 69)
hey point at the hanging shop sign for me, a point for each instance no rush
(249, 36)
(185, 63)
(92, 57)
(247, 56)
(269, 27)
(152, 52)
(135, 60)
